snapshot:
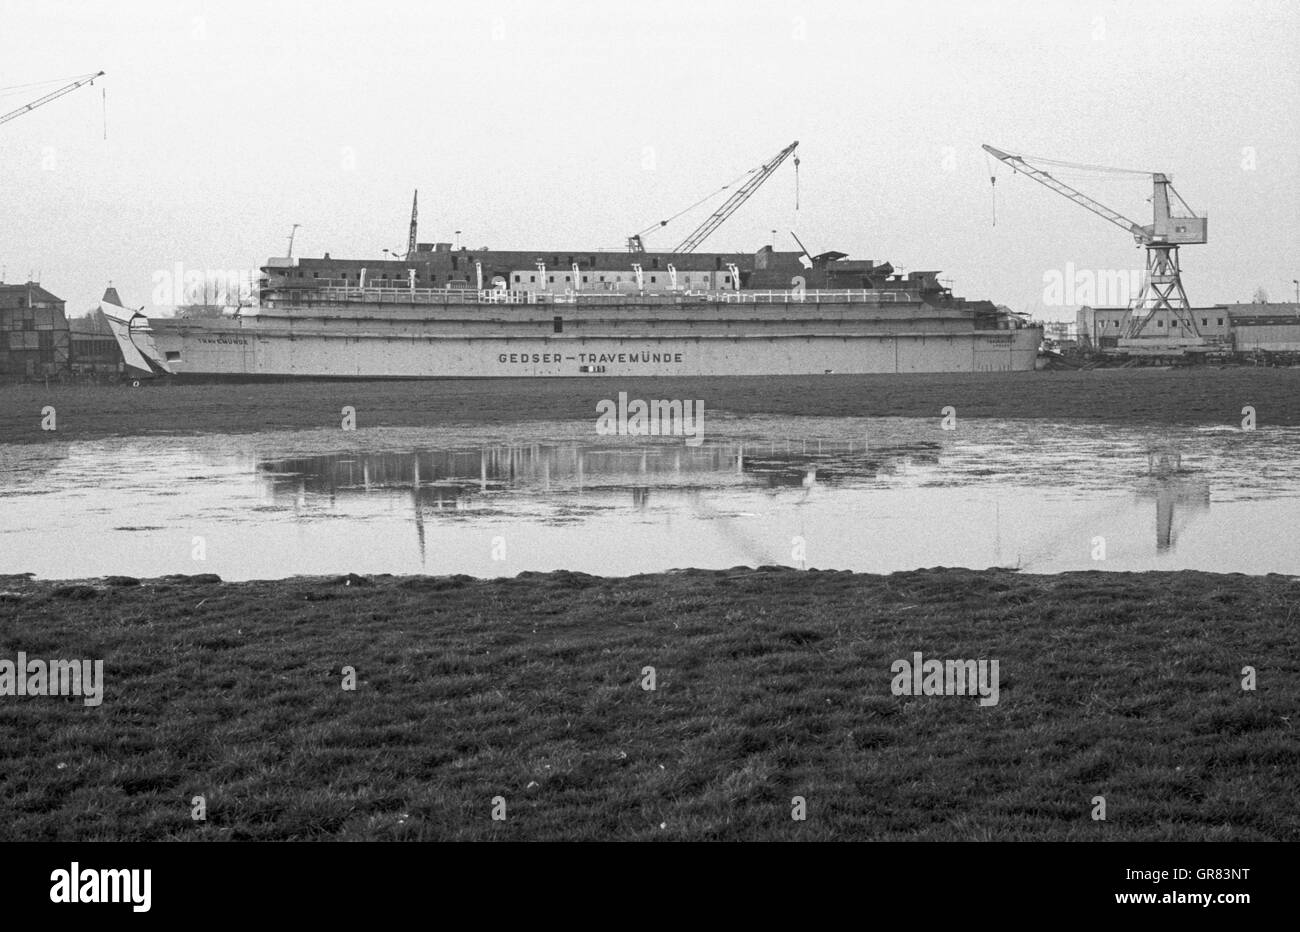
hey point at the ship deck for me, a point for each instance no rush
(292, 297)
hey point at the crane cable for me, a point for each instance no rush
(993, 181)
(664, 223)
(4, 91)
(1086, 166)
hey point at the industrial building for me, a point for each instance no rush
(39, 341)
(34, 339)
(1265, 328)
(1238, 329)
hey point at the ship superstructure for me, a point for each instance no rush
(459, 313)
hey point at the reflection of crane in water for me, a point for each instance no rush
(1173, 489)
(415, 486)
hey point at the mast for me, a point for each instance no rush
(415, 211)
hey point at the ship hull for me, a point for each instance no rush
(435, 334)
(199, 352)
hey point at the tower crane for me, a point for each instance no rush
(53, 95)
(729, 207)
(1171, 227)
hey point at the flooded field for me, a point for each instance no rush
(865, 494)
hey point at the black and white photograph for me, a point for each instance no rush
(800, 422)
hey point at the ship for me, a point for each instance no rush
(441, 312)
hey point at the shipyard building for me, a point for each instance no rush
(34, 339)
(39, 341)
(1251, 329)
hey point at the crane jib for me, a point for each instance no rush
(729, 207)
(53, 95)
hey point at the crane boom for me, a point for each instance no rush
(410, 239)
(732, 204)
(53, 95)
(1140, 233)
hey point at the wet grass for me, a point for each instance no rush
(1194, 396)
(771, 684)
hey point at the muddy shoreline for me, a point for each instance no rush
(1209, 396)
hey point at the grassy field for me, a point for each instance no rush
(771, 683)
(1193, 396)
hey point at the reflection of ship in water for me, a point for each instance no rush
(450, 481)
(1177, 492)
(453, 478)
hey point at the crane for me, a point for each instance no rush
(1162, 288)
(53, 95)
(410, 240)
(719, 216)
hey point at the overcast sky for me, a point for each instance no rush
(569, 125)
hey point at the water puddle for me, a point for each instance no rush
(839, 493)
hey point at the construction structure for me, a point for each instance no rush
(1160, 321)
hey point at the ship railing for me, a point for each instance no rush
(804, 296)
(407, 295)
(380, 294)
